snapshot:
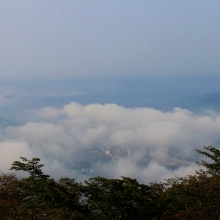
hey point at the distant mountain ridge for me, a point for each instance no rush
(197, 103)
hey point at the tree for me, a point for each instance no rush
(41, 197)
(195, 196)
(10, 196)
(44, 197)
(31, 166)
(119, 199)
(214, 154)
(192, 197)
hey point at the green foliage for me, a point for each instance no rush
(10, 196)
(40, 197)
(213, 154)
(118, 199)
(43, 197)
(31, 166)
(192, 197)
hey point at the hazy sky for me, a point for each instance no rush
(92, 38)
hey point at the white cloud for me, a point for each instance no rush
(56, 134)
(10, 150)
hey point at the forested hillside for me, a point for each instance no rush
(40, 197)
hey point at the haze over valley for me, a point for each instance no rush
(87, 128)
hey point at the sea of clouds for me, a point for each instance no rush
(54, 134)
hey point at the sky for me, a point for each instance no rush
(99, 38)
(77, 73)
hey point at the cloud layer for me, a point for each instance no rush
(55, 134)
